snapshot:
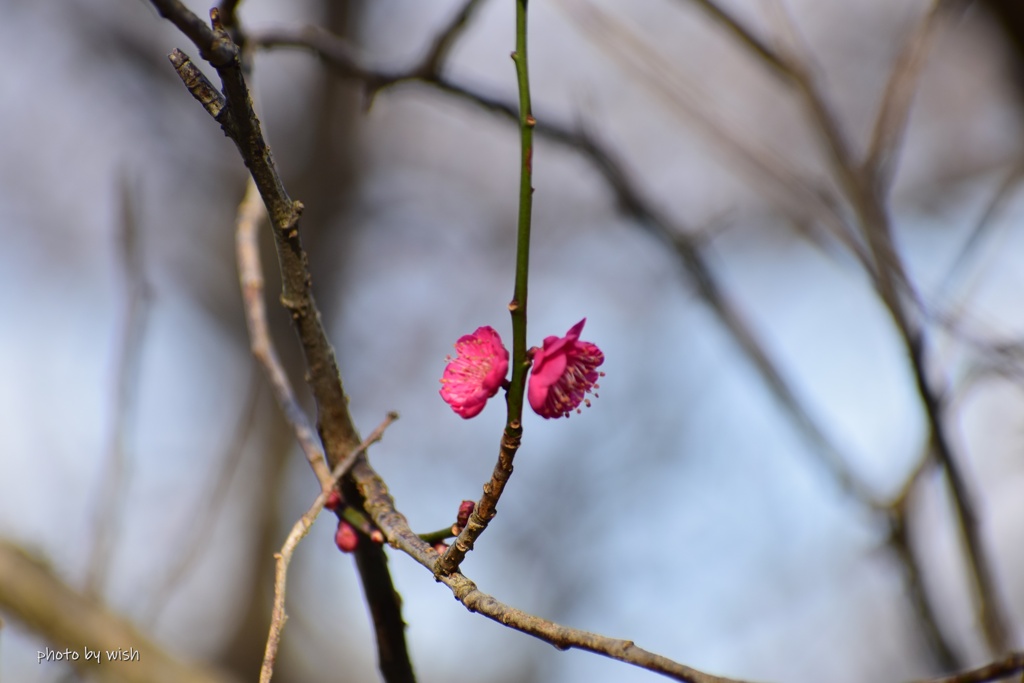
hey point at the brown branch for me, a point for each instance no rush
(744, 35)
(433, 61)
(212, 46)
(250, 272)
(985, 224)
(31, 593)
(336, 54)
(996, 625)
(298, 532)
(229, 12)
(901, 544)
(894, 113)
(334, 423)
(337, 431)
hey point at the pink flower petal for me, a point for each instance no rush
(477, 372)
(564, 372)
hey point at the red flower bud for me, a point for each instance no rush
(346, 537)
(465, 510)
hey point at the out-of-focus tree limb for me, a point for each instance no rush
(32, 594)
(894, 113)
(865, 187)
(1011, 665)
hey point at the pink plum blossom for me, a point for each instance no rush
(564, 372)
(476, 374)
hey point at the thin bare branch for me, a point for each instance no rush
(782, 184)
(336, 53)
(996, 625)
(433, 61)
(894, 112)
(298, 532)
(897, 293)
(755, 44)
(251, 213)
(214, 48)
(982, 228)
(901, 543)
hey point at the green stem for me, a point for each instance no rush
(517, 307)
(487, 507)
(433, 537)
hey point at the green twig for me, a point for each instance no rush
(486, 509)
(439, 536)
(517, 307)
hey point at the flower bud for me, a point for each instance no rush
(333, 501)
(346, 537)
(465, 510)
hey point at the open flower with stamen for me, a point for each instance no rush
(476, 373)
(564, 372)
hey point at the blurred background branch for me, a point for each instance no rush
(32, 594)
